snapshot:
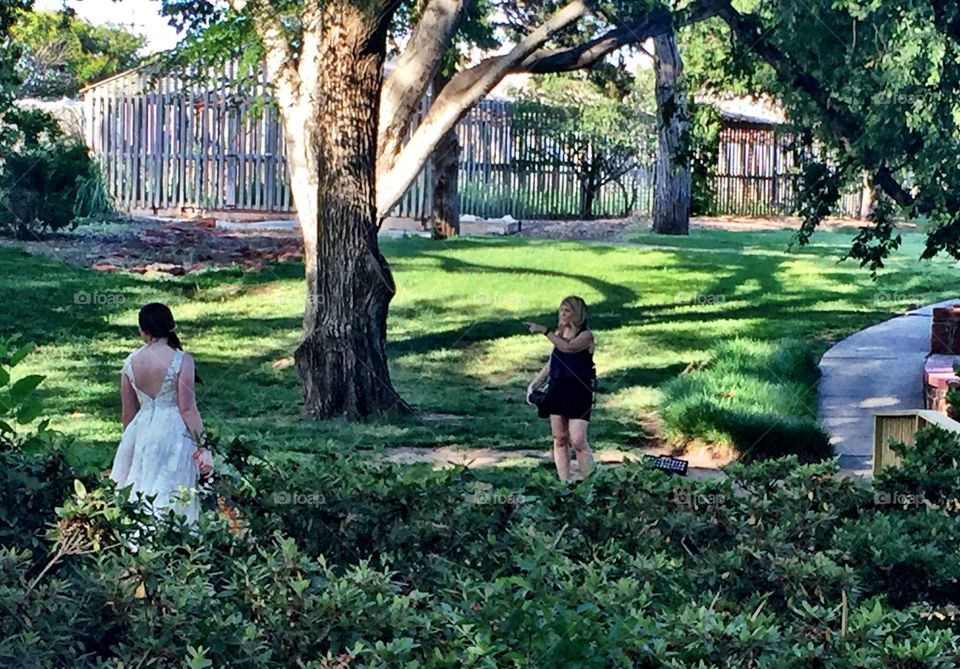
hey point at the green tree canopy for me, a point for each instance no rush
(60, 53)
(873, 87)
(9, 53)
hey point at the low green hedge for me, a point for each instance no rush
(389, 566)
(344, 561)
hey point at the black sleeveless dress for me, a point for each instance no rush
(570, 392)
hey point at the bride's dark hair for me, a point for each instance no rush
(156, 320)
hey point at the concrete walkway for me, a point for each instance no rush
(877, 369)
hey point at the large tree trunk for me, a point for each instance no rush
(331, 148)
(445, 222)
(672, 181)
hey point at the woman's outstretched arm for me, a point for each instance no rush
(128, 401)
(187, 398)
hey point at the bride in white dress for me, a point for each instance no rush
(157, 454)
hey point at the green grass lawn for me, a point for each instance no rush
(456, 342)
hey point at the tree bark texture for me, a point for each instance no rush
(672, 180)
(867, 197)
(588, 188)
(331, 144)
(445, 222)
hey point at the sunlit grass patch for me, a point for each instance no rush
(456, 341)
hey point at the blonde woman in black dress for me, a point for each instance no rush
(570, 393)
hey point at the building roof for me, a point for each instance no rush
(756, 111)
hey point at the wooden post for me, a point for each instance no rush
(902, 426)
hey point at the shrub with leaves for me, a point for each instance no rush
(19, 404)
(34, 474)
(47, 179)
(928, 474)
(341, 560)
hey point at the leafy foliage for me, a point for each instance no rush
(19, 404)
(876, 86)
(930, 466)
(9, 53)
(703, 145)
(780, 565)
(36, 475)
(47, 179)
(60, 53)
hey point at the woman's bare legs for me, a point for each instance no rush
(578, 439)
(561, 456)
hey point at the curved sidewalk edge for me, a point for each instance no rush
(877, 369)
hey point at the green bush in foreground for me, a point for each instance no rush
(755, 396)
(379, 565)
(346, 561)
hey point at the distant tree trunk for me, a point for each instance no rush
(341, 358)
(588, 189)
(867, 197)
(672, 181)
(587, 197)
(445, 221)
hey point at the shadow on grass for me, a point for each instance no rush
(245, 390)
(615, 310)
(650, 377)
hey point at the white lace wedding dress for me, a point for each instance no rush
(155, 456)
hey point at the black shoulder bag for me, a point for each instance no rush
(539, 398)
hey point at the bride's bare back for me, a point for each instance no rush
(150, 367)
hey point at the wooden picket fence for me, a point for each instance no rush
(510, 165)
(756, 172)
(169, 144)
(166, 144)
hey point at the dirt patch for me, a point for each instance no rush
(602, 230)
(760, 224)
(177, 247)
(445, 457)
(166, 247)
(619, 230)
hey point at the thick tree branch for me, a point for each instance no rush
(311, 38)
(400, 166)
(545, 61)
(657, 22)
(463, 91)
(416, 67)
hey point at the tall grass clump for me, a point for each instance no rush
(757, 397)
